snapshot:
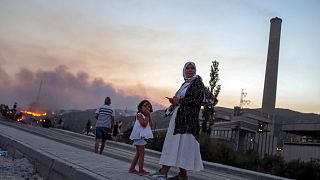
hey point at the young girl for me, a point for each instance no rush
(140, 132)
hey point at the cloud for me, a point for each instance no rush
(61, 89)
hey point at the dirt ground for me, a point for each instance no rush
(17, 169)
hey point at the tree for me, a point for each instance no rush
(208, 112)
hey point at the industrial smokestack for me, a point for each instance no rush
(270, 82)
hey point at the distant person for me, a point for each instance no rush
(115, 130)
(140, 132)
(13, 111)
(7, 111)
(181, 147)
(60, 121)
(120, 126)
(14, 108)
(105, 118)
(54, 122)
(88, 126)
(3, 110)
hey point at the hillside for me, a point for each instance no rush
(283, 115)
(76, 121)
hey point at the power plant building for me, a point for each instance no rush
(254, 130)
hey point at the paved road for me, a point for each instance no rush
(68, 151)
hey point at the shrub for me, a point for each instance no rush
(273, 164)
(215, 151)
(223, 152)
(126, 136)
(247, 160)
(157, 142)
(302, 170)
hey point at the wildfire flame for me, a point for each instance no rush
(34, 114)
(20, 119)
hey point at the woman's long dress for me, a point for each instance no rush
(181, 150)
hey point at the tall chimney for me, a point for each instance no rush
(270, 82)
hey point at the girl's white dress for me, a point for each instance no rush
(181, 150)
(139, 132)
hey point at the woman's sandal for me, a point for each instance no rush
(133, 171)
(143, 172)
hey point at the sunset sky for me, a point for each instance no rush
(84, 50)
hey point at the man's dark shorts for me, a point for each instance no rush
(103, 133)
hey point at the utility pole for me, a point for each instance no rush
(243, 101)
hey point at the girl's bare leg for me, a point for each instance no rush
(141, 157)
(135, 159)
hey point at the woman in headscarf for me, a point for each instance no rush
(181, 147)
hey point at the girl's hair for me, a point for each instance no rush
(141, 104)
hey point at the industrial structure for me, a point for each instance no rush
(250, 129)
(271, 76)
(262, 131)
(301, 140)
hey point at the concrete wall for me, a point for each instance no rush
(48, 167)
(302, 152)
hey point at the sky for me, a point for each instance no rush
(85, 50)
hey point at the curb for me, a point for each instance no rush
(48, 166)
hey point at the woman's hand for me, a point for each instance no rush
(175, 100)
(170, 100)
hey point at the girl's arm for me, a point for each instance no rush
(142, 120)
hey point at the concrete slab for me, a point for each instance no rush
(59, 161)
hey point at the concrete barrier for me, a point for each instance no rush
(48, 166)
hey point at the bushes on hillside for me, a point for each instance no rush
(126, 136)
(302, 170)
(216, 151)
(157, 142)
(46, 123)
(223, 152)
(273, 164)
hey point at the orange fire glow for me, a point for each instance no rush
(34, 114)
(20, 119)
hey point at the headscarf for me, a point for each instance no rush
(184, 86)
(189, 79)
